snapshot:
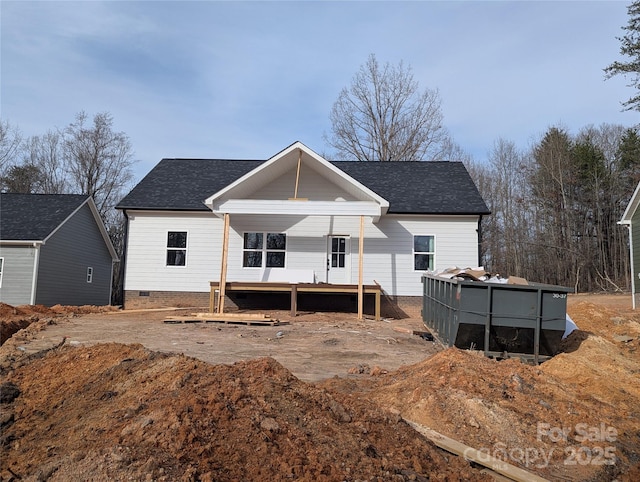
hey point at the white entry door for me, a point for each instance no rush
(339, 260)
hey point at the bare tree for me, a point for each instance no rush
(506, 233)
(10, 142)
(383, 117)
(452, 151)
(44, 153)
(98, 160)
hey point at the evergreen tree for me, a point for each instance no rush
(630, 47)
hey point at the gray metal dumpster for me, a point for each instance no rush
(502, 320)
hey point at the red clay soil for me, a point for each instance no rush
(121, 412)
(575, 417)
(117, 412)
(15, 318)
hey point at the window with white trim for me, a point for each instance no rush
(264, 250)
(89, 274)
(424, 253)
(1, 269)
(176, 248)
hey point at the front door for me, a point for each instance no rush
(339, 260)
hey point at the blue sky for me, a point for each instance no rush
(246, 79)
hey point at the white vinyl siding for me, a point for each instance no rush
(146, 268)
(388, 246)
(389, 249)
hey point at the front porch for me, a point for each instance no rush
(265, 193)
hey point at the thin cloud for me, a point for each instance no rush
(245, 79)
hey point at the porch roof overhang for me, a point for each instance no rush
(297, 207)
(240, 197)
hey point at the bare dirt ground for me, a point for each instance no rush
(320, 397)
(313, 346)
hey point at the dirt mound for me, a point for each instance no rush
(118, 412)
(15, 318)
(25, 311)
(575, 417)
(121, 412)
(9, 327)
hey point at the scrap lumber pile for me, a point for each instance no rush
(479, 274)
(226, 318)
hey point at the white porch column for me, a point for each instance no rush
(360, 270)
(223, 268)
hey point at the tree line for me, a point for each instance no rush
(555, 207)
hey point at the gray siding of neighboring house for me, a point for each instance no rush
(17, 274)
(64, 259)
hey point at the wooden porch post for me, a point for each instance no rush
(360, 270)
(223, 268)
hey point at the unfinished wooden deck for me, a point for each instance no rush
(294, 289)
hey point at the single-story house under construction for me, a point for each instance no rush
(202, 232)
(54, 249)
(631, 219)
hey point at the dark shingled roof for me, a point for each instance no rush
(432, 187)
(410, 187)
(33, 217)
(184, 184)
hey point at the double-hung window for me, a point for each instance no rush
(264, 250)
(424, 252)
(176, 248)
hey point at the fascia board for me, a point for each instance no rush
(632, 206)
(103, 230)
(299, 208)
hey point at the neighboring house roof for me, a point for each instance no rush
(631, 207)
(35, 217)
(409, 187)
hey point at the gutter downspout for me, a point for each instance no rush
(34, 280)
(111, 284)
(479, 231)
